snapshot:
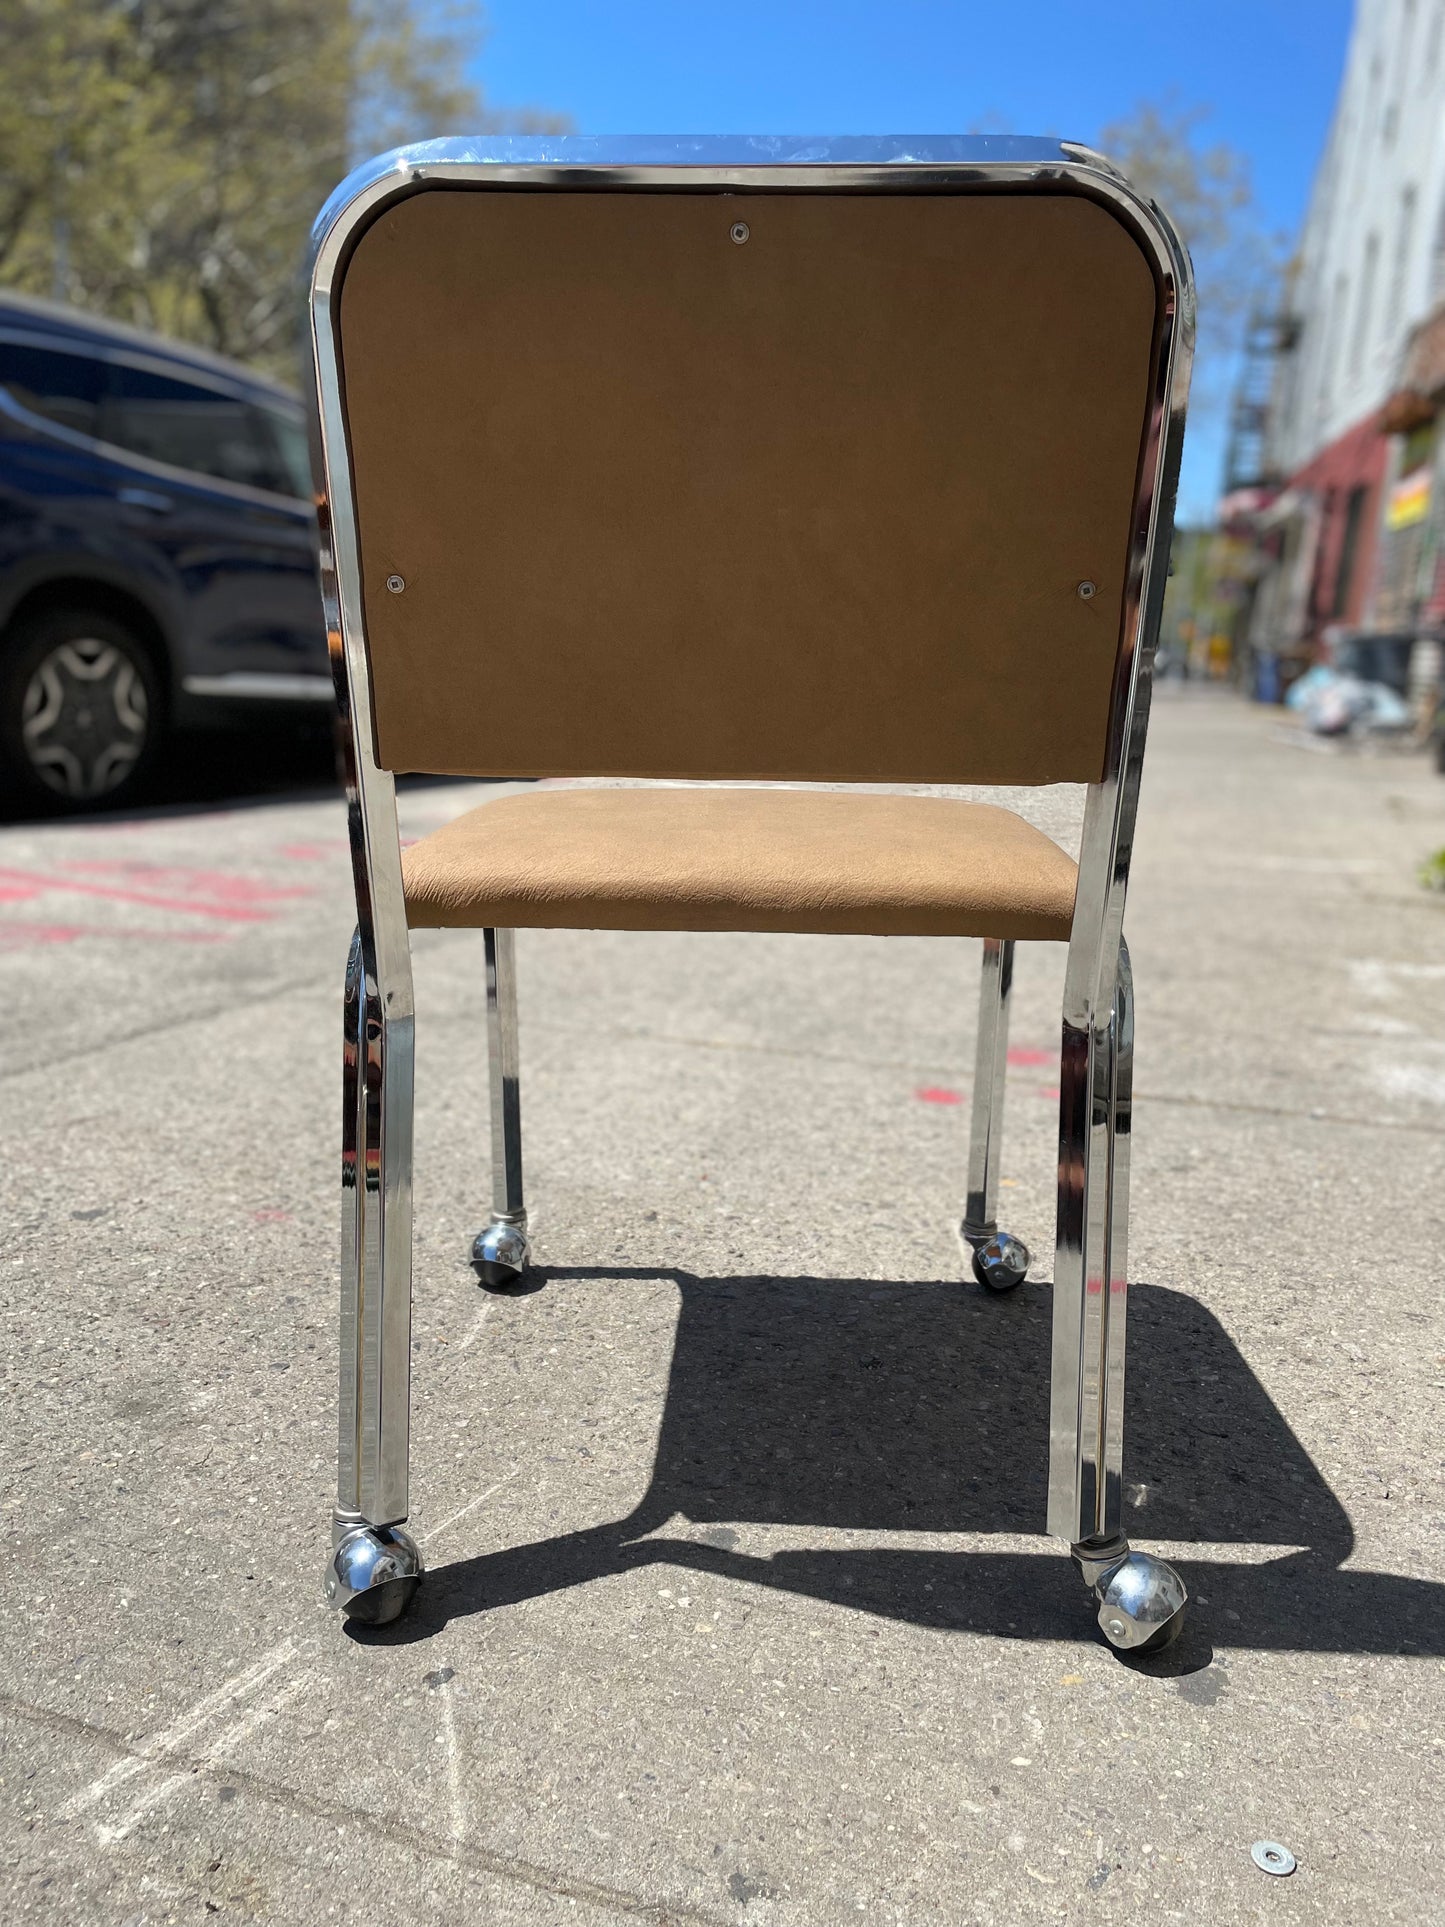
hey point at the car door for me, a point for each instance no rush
(57, 506)
(202, 474)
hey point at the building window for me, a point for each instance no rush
(1399, 272)
(1330, 354)
(1366, 302)
(1319, 601)
(1404, 45)
(1349, 548)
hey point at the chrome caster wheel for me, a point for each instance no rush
(374, 1574)
(500, 1254)
(1141, 1603)
(1001, 1263)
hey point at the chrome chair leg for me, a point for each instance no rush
(500, 1252)
(375, 1567)
(1000, 1261)
(1141, 1599)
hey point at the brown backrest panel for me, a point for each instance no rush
(816, 505)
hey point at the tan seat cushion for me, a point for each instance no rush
(742, 859)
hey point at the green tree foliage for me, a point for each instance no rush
(161, 161)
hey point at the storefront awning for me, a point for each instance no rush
(1284, 508)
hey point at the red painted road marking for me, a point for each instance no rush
(219, 886)
(940, 1094)
(1031, 1059)
(21, 884)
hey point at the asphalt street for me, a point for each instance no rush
(739, 1609)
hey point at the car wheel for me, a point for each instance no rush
(81, 711)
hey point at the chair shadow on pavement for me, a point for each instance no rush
(868, 1407)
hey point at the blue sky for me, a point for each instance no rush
(1267, 70)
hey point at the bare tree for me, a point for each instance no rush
(1206, 189)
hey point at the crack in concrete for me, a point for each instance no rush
(461, 1853)
(251, 998)
(742, 1046)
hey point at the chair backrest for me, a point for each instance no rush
(796, 485)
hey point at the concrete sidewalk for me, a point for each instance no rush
(738, 1610)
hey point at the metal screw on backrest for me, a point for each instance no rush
(1087, 589)
(739, 231)
(396, 583)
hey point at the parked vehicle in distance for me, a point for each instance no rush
(157, 552)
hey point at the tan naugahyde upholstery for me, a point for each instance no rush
(812, 507)
(742, 859)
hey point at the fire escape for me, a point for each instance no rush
(1247, 463)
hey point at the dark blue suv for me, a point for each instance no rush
(157, 552)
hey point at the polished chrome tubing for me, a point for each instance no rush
(380, 1344)
(1067, 1503)
(980, 1217)
(1086, 1426)
(1085, 1409)
(348, 1442)
(507, 1199)
(386, 1264)
(1111, 1426)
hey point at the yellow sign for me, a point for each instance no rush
(1409, 500)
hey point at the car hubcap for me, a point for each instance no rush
(85, 718)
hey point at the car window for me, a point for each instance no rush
(285, 435)
(63, 388)
(188, 426)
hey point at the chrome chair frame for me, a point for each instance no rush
(375, 1566)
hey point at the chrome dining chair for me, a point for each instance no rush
(755, 464)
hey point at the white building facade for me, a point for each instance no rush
(1372, 254)
(1369, 269)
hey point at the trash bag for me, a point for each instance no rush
(1302, 690)
(1332, 704)
(1385, 708)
